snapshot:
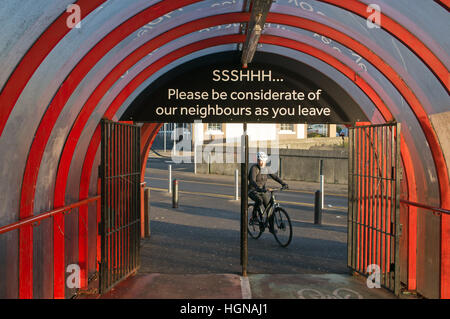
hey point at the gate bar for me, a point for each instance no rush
(397, 211)
(244, 204)
(373, 213)
(120, 213)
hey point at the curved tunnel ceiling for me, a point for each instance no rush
(57, 83)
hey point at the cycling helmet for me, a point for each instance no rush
(261, 156)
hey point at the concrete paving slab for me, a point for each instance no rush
(173, 286)
(313, 286)
(233, 286)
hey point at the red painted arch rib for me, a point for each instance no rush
(147, 146)
(5, 117)
(372, 95)
(388, 116)
(412, 215)
(277, 19)
(280, 22)
(350, 77)
(34, 57)
(59, 199)
(147, 130)
(398, 31)
(399, 84)
(131, 87)
(310, 25)
(146, 143)
(44, 131)
(148, 134)
(76, 76)
(85, 179)
(444, 3)
(115, 74)
(8, 98)
(438, 158)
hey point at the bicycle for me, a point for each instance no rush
(281, 221)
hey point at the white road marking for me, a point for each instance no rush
(245, 288)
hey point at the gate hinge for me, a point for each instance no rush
(400, 230)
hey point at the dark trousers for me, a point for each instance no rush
(260, 198)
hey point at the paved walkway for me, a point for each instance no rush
(192, 245)
(255, 286)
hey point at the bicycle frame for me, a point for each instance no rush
(268, 211)
(267, 215)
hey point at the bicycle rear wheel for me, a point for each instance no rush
(282, 227)
(254, 229)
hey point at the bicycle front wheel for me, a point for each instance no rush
(254, 229)
(282, 227)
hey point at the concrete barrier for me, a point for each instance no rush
(293, 164)
(303, 165)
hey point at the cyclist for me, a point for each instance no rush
(257, 178)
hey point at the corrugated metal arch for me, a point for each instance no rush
(57, 30)
(58, 188)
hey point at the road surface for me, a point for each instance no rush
(202, 235)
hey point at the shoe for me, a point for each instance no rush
(261, 227)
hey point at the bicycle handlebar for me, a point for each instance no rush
(278, 189)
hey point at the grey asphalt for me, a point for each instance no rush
(193, 251)
(202, 235)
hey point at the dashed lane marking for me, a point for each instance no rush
(335, 208)
(229, 185)
(245, 288)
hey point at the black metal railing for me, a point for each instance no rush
(374, 203)
(120, 206)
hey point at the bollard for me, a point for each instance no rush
(147, 212)
(209, 163)
(170, 179)
(236, 184)
(175, 194)
(321, 178)
(164, 137)
(195, 156)
(279, 168)
(317, 208)
(322, 193)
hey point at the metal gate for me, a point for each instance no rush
(119, 228)
(374, 203)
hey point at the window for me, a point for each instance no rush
(317, 130)
(287, 127)
(214, 126)
(169, 127)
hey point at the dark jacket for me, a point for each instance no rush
(257, 179)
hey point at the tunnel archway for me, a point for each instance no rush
(195, 76)
(59, 82)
